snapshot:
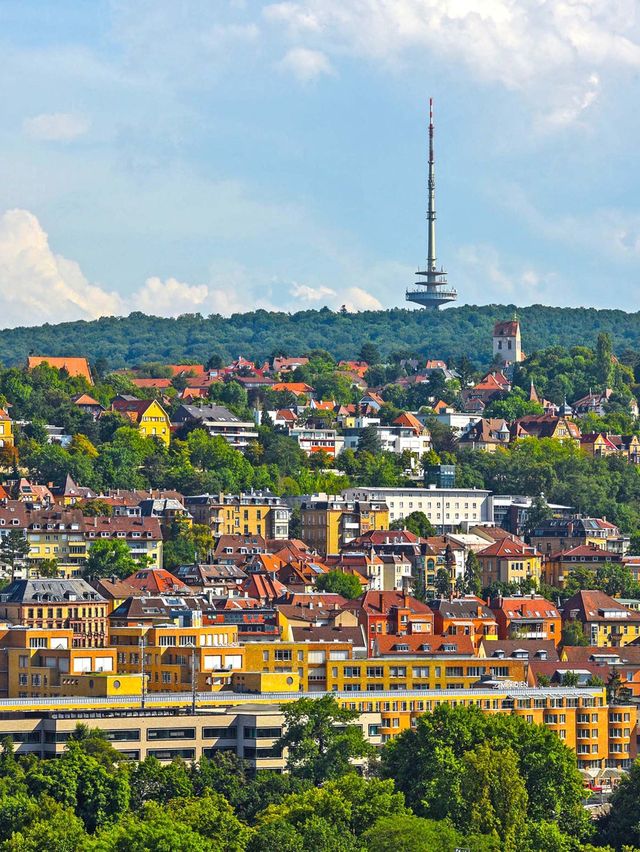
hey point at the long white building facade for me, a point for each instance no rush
(446, 508)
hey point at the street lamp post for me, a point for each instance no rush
(194, 681)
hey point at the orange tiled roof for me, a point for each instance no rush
(410, 420)
(156, 581)
(73, 366)
(293, 387)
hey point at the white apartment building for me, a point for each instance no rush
(394, 439)
(316, 440)
(446, 508)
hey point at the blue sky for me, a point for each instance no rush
(222, 155)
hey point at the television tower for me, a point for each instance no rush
(434, 291)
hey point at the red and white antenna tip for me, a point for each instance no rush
(430, 110)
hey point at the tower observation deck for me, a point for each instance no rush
(434, 290)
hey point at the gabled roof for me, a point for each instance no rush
(463, 609)
(424, 644)
(157, 581)
(585, 551)
(409, 420)
(507, 328)
(512, 648)
(73, 366)
(508, 548)
(292, 387)
(85, 399)
(525, 607)
(594, 605)
(161, 384)
(382, 603)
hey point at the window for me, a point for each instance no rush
(283, 656)
(262, 733)
(172, 753)
(375, 671)
(229, 733)
(171, 733)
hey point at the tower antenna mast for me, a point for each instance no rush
(434, 291)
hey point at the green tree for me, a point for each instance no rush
(412, 834)
(321, 738)
(110, 558)
(427, 765)
(417, 523)
(369, 441)
(52, 828)
(495, 801)
(340, 583)
(14, 549)
(604, 360)
(370, 353)
(47, 567)
(331, 817)
(442, 583)
(621, 824)
(573, 634)
(472, 575)
(570, 678)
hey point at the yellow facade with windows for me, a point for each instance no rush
(6, 430)
(308, 660)
(170, 653)
(329, 525)
(154, 422)
(43, 662)
(400, 672)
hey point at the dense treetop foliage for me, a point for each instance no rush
(464, 330)
(460, 779)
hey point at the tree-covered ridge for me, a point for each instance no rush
(464, 330)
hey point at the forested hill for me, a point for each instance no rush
(463, 330)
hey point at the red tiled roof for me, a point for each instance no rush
(417, 641)
(73, 366)
(383, 602)
(507, 328)
(508, 548)
(525, 607)
(292, 387)
(156, 581)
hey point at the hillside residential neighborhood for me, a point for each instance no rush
(394, 589)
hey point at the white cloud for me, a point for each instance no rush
(39, 286)
(305, 293)
(56, 126)
(306, 64)
(171, 297)
(546, 50)
(484, 276)
(357, 299)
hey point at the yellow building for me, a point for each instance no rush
(43, 662)
(170, 653)
(508, 561)
(404, 671)
(150, 417)
(307, 660)
(255, 513)
(605, 621)
(331, 523)
(57, 534)
(6, 430)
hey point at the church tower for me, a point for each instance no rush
(507, 344)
